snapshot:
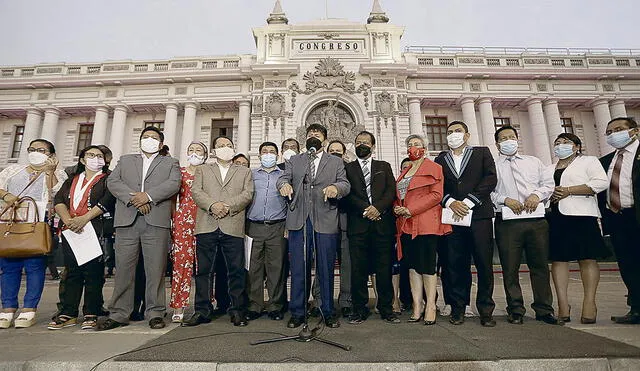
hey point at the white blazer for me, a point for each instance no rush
(583, 170)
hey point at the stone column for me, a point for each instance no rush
(116, 140)
(50, 125)
(32, 126)
(170, 129)
(244, 127)
(100, 124)
(415, 116)
(188, 130)
(539, 134)
(469, 118)
(617, 108)
(552, 117)
(603, 116)
(487, 121)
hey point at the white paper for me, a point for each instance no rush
(248, 244)
(508, 214)
(85, 245)
(447, 218)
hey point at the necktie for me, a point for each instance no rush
(367, 177)
(312, 166)
(614, 188)
(518, 178)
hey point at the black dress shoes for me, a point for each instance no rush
(109, 324)
(456, 318)
(550, 319)
(631, 318)
(276, 315)
(487, 321)
(515, 318)
(347, 312)
(391, 318)
(239, 320)
(136, 316)
(157, 323)
(251, 315)
(295, 321)
(332, 322)
(195, 320)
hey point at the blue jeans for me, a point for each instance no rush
(11, 276)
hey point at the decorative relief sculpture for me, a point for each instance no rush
(403, 104)
(274, 106)
(257, 104)
(275, 83)
(338, 120)
(384, 104)
(329, 74)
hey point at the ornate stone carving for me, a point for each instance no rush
(536, 61)
(475, 86)
(400, 84)
(329, 74)
(600, 61)
(112, 93)
(403, 104)
(384, 104)
(49, 70)
(384, 83)
(328, 35)
(275, 83)
(43, 96)
(608, 87)
(274, 105)
(470, 60)
(184, 65)
(257, 104)
(542, 87)
(257, 85)
(115, 67)
(338, 120)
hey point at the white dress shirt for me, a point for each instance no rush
(457, 162)
(520, 176)
(223, 170)
(625, 185)
(146, 163)
(361, 162)
(316, 162)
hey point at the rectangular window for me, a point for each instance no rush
(221, 128)
(501, 121)
(436, 129)
(85, 132)
(17, 141)
(567, 125)
(158, 124)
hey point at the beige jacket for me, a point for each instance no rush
(236, 191)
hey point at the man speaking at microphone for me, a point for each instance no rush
(313, 182)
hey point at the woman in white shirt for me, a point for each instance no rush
(574, 233)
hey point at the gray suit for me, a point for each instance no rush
(149, 232)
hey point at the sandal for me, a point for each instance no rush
(177, 318)
(61, 322)
(6, 319)
(89, 322)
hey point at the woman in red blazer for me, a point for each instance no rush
(420, 190)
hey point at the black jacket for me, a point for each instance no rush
(635, 181)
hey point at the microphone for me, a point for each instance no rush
(312, 150)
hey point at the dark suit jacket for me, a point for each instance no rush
(476, 181)
(635, 181)
(383, 193)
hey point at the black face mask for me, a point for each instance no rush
(339, 155)
(315, 143)
(363, 151)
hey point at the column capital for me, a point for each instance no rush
(33, 111)
(122, 108)
(466, 100)
(414, 100)
(531, 101)
(599, 101)
(616, 102)
(192, 105)
(101, 109)
(484, 100)
(244, 103)
(52, 110)
(170, 105)
(549, 102)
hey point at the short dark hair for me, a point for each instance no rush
(464, 126)
(154, 129)
(319, 128)
(268, 144)
(344, 148)
(630, 121)
(52, 148)
(241, 155)
(291, 140)
(221, 137)
(503, 128)
(571, 137)
(80, 166)
(364, 132)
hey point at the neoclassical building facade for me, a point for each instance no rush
(348, 76)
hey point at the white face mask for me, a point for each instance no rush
(455, 140)
(509, 147)
(195, 160)
(37, 158)
(225, 153)
(288, 154)
(149, 145)
(94, 164)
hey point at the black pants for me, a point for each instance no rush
(139, 287)
(624, 236)
(464, 243)
(531, 236)
(207, 245)
(88, 277)
(376, 248)
(443, 269)
(109, 253)
(220, 283)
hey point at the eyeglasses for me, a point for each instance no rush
(93, 155)
(39, 150)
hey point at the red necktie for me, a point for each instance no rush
(614, 188)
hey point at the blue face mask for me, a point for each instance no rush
(268, 160)
(509, 147)
(619, 139)
(563, 151)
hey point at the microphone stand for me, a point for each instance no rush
(306, 334)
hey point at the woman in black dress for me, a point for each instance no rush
(574, 233)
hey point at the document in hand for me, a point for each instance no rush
(447, 218)
(85, 245)
(248, 245)
(508, 214)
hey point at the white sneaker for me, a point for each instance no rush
(24, 320)
(468, 312)
(446, 311)
(5, 320)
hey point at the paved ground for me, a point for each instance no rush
(72, 349)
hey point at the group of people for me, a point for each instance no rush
(298, 215)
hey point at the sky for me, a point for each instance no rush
(46, 31)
